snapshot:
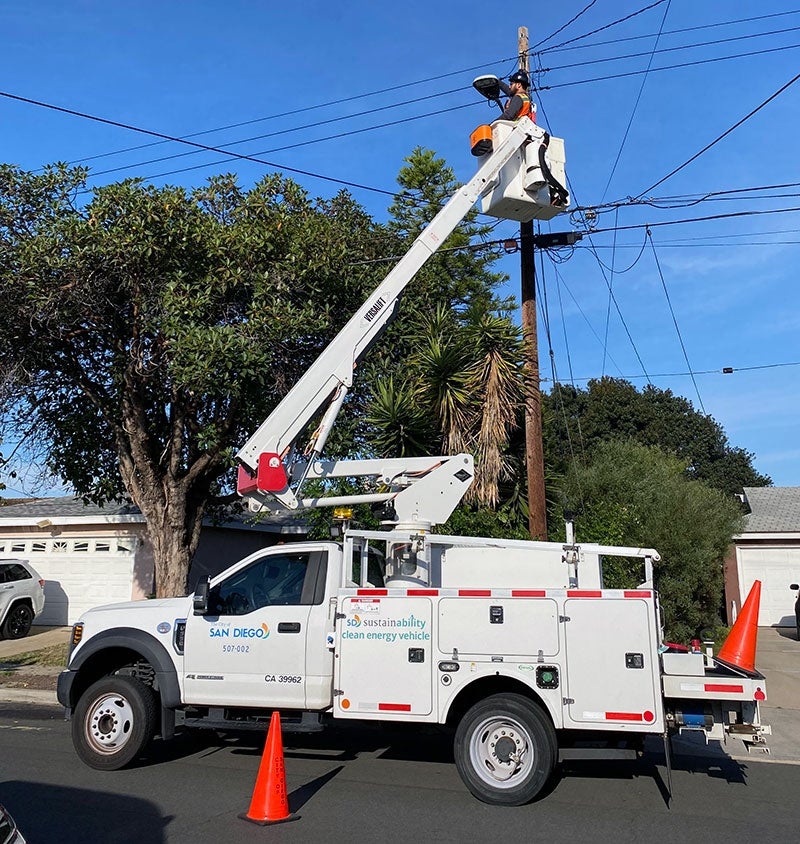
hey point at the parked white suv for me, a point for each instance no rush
(21, 598)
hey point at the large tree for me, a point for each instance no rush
(149, 329)
(635, 495)
(576, 421)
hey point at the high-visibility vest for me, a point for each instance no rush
(526, 111)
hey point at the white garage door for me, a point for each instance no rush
(79, 573)
(776, 568)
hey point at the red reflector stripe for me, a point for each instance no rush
(635, 593)
(372, 591)
(422, 592)
(624, 716)
(719, 687)
(394, 707)
(475, 593)
(528, 593)
(584, 593)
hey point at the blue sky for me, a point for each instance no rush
(183, 68)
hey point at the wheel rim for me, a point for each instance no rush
(109, 723)
(501, 752)
(18, 621)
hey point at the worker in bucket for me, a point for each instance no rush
(519, 103)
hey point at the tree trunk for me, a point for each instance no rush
(173, 527)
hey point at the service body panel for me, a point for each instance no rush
(385, 656)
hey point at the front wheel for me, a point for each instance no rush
(115, 719)
(18, 622)
(505, 750)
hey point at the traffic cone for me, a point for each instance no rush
(270, 803)
(739, 648)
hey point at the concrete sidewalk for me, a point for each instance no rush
(777, 657)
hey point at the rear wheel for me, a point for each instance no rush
(115, 719)
(18, 622)
(505, 750)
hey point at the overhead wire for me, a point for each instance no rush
(620, 40)
(747, 37)
(300, 128)
(544, 310)
(563, 26)
(610, 288)
(675, 319)
(225, 147)
(705, 61)
(152, 133)
(725, 370)
(353, 98)
(218, 162)
(635, 104)
(603, 273)
(727, 132)
(608, 25)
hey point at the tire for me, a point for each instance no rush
(18, 622)
(115, 719)
(505, 750)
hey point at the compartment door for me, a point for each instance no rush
(612, 665)
(384, 665)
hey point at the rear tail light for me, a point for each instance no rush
(42, 582)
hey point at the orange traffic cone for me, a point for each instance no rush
(739, 649)
(270, 803)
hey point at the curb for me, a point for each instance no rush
(33, 696)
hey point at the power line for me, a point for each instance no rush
(728, 216)
(673, 31)
(669, 67)
(277, 133)
(224, 150)
(602, 272)
(689, 199)
(725, 370)
(723, 135)
(316, 107)
(223, 147)
(562, 28)
(674, 319)
(608, 25)
(747, 37)
(341, 118)
(106, 121)
(636, 104)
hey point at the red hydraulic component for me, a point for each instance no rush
(271, 476)
(245, 482)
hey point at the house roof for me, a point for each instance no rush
(69, 510)
(773, 509)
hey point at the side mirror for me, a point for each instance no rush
(794, 586)
(200, 601)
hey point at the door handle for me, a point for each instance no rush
(289, 627)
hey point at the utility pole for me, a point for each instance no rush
(534, 451)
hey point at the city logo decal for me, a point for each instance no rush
(226, 631)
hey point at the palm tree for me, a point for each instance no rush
(461, 392)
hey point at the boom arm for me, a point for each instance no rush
(267, 470)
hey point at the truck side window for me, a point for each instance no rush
(274, 579)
